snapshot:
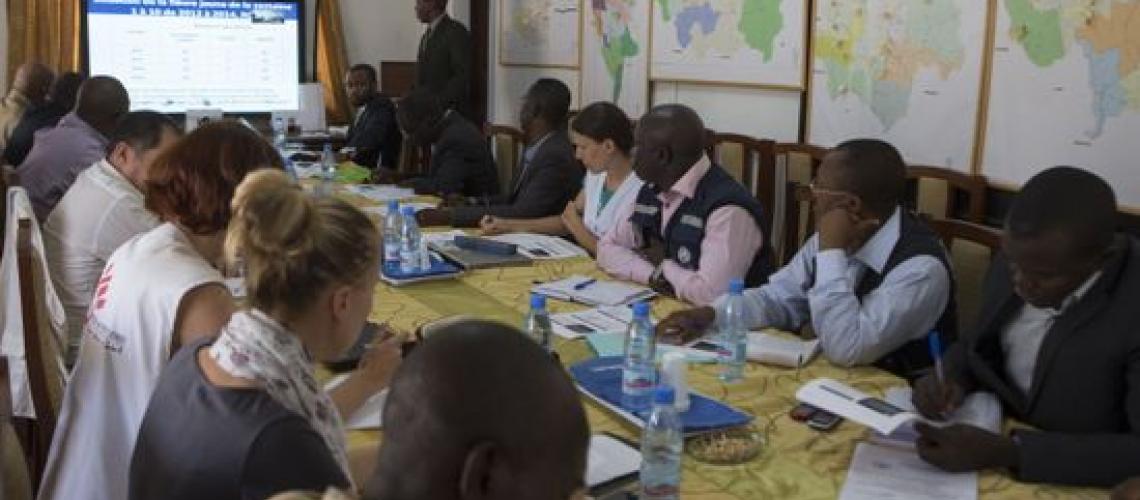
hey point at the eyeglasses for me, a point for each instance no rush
(818, 190)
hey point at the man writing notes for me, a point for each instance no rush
(443, 63)
(548, 175)
(461, 163)
(374, 135)
(693, 228)
(872, 283)
(1057, 341)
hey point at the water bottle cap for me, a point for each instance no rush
(736, 286)
(408, 211)
(664, 395)
(393, 206)
(537, 301)
(640, 309)
(327, 147)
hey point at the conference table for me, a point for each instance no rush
(796, 462)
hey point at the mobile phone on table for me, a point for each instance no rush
(823, 420)
(802, 412)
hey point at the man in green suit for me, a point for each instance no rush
(443, 62)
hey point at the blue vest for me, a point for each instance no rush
(685, 231)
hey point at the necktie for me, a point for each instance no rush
(424, 40)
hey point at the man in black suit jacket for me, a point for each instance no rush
(461, 163)
(548, 175)
(443, 63)
(1058, 341)
(374, 135)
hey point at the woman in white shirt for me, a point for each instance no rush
(160, 290)
(603, 137)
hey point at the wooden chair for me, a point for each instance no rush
(15, 479)
(936, 192)
(750, 161)
(506, 145)
(971, 248)
(793, 155)
(41, 353)
(799, 221)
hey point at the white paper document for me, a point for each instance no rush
(594, 292)
(887, 473)
(370, 414)
(979, 409)
(610, 459)
(781, 351)
(382, 210)
(575, 325)
(542, 247)
(382, 193)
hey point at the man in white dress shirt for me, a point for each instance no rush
(872, 283)
(103, 209)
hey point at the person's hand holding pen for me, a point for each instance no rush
(935, 396)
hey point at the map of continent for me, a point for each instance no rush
(540, 32)
(738, 41)
(615, 57)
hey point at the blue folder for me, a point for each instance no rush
(601, 378)
(439, 268)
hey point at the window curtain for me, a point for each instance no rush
(43, 30)
(332, 60)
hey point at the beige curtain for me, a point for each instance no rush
(44, 30)
(332, 60)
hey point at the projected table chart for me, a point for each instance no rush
(797, 462)
(198, 54)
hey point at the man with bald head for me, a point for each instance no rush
(79, 140)
(478, 411)
(29, 88)
(694, 228)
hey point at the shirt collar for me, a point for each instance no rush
(1077, 294)
(686, 186)
(875, 252)
(73, 120)
(435, 22)
(533, 148)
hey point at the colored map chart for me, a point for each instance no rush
(539, 32)
(615, 54)
(884, 68)
(732, 41)
(1066, 90)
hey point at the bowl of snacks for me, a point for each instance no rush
(726, 447)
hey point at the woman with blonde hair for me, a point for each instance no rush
(242, 415)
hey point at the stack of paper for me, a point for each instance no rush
(886, 473)
(776, 350)
(589, 291)
(380, 193)
(542, 247)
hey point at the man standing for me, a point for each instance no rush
(102, 210)
(374, 135)
(693, 228)
(80, 139)
(443, 63)
(548, 176)
(29, 88)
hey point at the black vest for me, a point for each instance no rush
(685, 232)
(912, 359)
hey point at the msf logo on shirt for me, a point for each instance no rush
(94, 328)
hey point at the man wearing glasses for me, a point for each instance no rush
(873, 282)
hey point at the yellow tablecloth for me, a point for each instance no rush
(797, 462)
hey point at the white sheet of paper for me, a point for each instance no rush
(854, 405)
(609, 459)
(979, 409)
(542, 247)
(382, 193)
(575, 325)
(370, 415)
(598, 293)
(382, 210)
(887, 473)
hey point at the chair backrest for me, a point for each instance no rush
(793, 156)
(750, 161)
(936, 191)
(971, 247)
(506, 145)
(41, 350)
(15, 480)
(799, 221)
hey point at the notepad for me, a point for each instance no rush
(542, 247)
(781, 351)
(578, 324)
(610, 459)
(586, 290)
(886, 473)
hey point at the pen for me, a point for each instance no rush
(936, 355)
(584, 284)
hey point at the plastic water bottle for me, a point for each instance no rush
(661, 447)
(639, 373)
(409, 242)
(328, 170)
(393, 223)
(537, 322)
(733, 334)
(279, 133)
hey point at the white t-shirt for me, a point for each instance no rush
(125, 345)
(100, 212)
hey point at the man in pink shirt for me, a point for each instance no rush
(694, 228)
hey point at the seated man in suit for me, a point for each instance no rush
(374, 136)
(461, 163)
(480, 411)
(693, 227)
(548, 175)
(872, 283)
(1056, 340)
